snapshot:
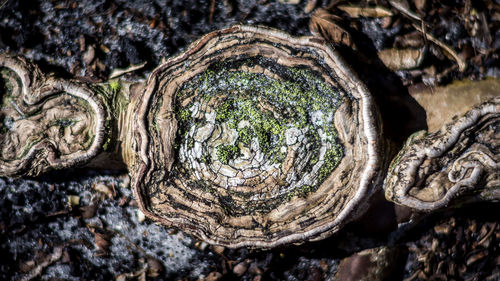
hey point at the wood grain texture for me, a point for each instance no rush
(460, 162)
(224, 181)
(47, 123)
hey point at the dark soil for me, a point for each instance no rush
(104, 237)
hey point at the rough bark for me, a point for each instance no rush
(459, 162)
(47, 122)
(222, 151)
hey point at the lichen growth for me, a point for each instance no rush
(115, 86)
(227, 152)
(245, 135)
(301, 191)
(261, 110)
(183, 115)
(332, 159)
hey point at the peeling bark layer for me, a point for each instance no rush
(46, 122)
(255, 138)
(459, 162)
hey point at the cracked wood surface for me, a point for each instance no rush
(242, 196)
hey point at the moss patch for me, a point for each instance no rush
(293, 108)
(227, 152)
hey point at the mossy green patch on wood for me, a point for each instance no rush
(227, 152)
(292, 109)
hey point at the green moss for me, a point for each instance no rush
(300, 191)
(298, 99)
(183, 114)
(245, 135)
(227, 152)
(225, 110)
(190, 143)
(205, 159)
(332, 159)
(107, 144)
(115, 85)
(264, 139)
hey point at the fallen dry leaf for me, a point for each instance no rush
(404, 7)
(402, 59)
(88, 211)
(104, 189)
(462, 65)
(293, 2)
(48, 260)
(102, 241)
(73, 200)
(155, 267)
(241, 267)
(311, 4)
(369, 12)
(213, 276)
(324, 24)
(121, 71)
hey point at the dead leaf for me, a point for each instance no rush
(403, 7)
(369, 12)
(213, 276)
(88, 211)
(324, 24)
(311, 4)
(73, 200)
(442, 229)
(102, 241)
(89, 55)
(421, 5)
(293, 2)
(142, 276)
(104, 48)
(413, 40)
(155, 267)
(477, 26)
(241, 267)
(104, 189)
(476, 257)
(121, 277)
(462, 65)
(401, 59)
(138, 275)
(218, 249)
(48, 260)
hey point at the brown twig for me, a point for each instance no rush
(212, 9)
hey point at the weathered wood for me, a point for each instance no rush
(255, 138)
(460, 162)
(46, 122)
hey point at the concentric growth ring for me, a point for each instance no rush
(249, 139)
